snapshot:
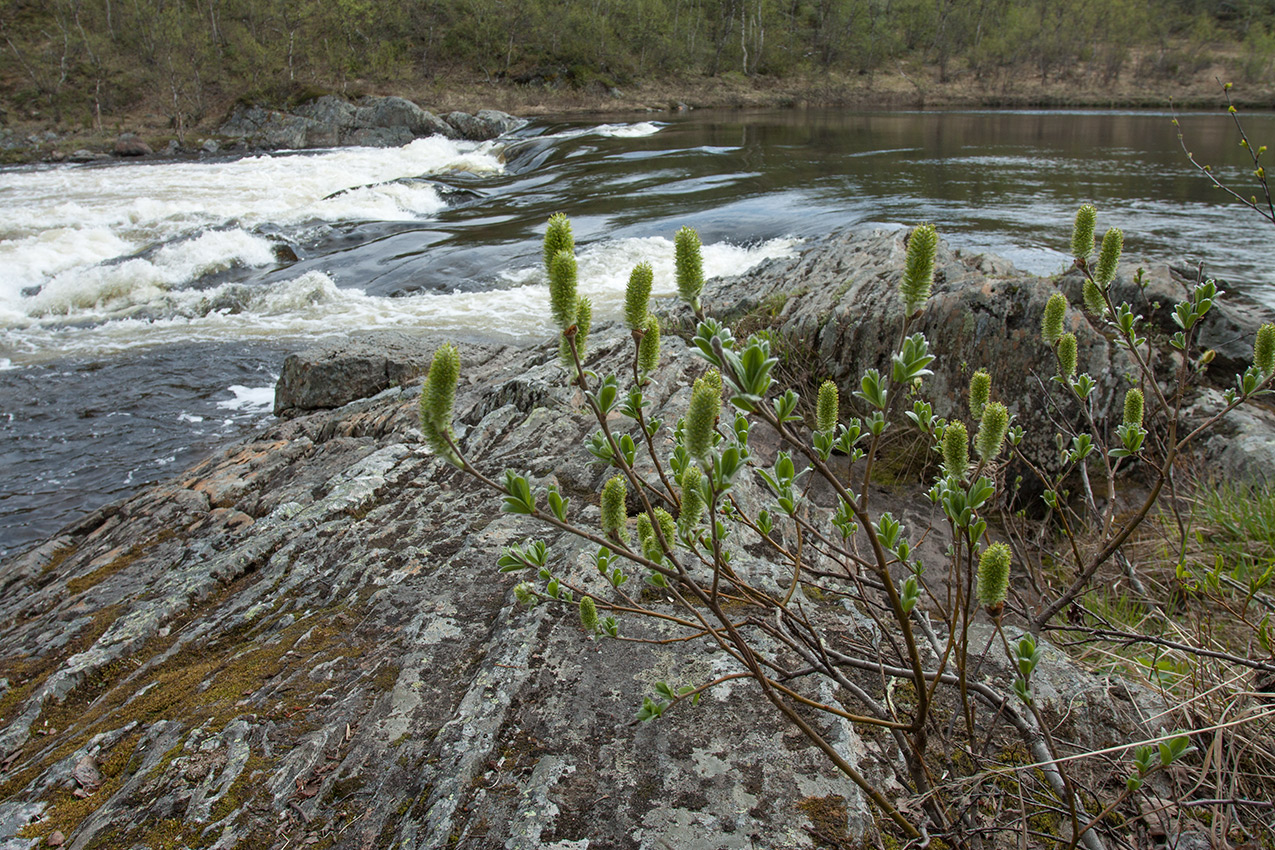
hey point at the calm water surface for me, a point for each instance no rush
(145, 308)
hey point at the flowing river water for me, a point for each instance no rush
(145, 309)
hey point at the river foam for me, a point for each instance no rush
(312, 305)
(89, 242)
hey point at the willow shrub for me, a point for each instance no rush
(689, 525)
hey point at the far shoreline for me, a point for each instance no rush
(895, 91)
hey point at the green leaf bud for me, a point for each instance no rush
(701, 417)
(637, 296)
(649, 347)
(689, 261)
(1082, 232)
(827, 408)
(980, 392)
(1067, 355)
(1133, 407)
(438, 395)
(1094, 302)
(692, 501)
(614, 512)
(1264, 349)
(991, 431)
(1109, 258)
(918, 273)
(1051, 325)
(956, 449)
(589, 615)
(558, 238)
(562, 289)
(993, 577)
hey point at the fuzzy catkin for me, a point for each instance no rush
(701, 417)
(956, 449)
(692, 501)
(438, 396)
(649, 347)
(1264, 349)
(1109, 257)
(1133, 403)
(827, 407)
(991, 431)
(1067, 355)
(1051, 324)
(558, 238)
(689, 262)
(637, 296)
(980, 392)
(993, 576)
(1082, 232)
(918, 270)
(563, 302)
(588, 615)
(614, 512)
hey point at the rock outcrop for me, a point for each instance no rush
(330, 121)
(305, 640)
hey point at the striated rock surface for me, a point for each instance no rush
(304, 639)
(331, 121)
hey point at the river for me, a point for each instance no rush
(145, 308)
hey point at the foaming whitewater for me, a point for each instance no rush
(312, 305)
(85, 243)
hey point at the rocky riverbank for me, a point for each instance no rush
(328, 121)
(304, 640)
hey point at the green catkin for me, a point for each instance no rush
(614, 512)
(1082, 232)
(1133, 404)
(525, 595)
(668, 526)
(980, 392)
(827, 408)
(918, 272)
(1094, 302)
(1109, 258)
(1067, 355)
(589, 615)
(562, 289)
(1051, 325)
(993, 577)
(438, 395)
(558, 238)
(646, 536)
(689, 262)
(956, 449)
(991, 431)
(1264, 349)
(649, 347)
(637, 296)
(692, 501)
(701, 417)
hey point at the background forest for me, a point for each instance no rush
(86, 62)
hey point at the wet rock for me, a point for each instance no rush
(331, 121)
(332, 374)
(130, 145)
(486, 124)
